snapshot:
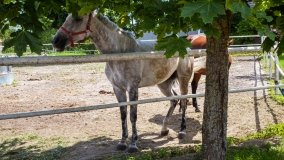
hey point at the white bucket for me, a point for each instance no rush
(6, 76)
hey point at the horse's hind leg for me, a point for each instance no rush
(133, 96)
(121, 97)
(194, 85)
(166, 89)
(183, 81)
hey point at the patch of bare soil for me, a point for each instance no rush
(95, 133)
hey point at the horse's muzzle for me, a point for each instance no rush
(59, 42)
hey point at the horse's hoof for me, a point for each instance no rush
(181, 135)
(164, 133)
(121, 146)
(197, 110)
(132, 149)
(188, 103)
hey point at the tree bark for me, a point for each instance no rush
(214, 129)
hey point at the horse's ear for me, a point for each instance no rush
(95, 12)
(231, 41)
(189, 37)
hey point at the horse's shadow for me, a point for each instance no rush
(102, 147)
(193, 127)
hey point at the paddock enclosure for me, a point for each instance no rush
(96, 133)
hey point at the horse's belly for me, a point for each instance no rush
(157, 71)
(199, 65)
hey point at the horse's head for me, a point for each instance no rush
(72, 30)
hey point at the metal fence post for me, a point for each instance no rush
(270, 66)
(276, 78)
(265, 58)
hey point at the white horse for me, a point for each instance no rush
(128, 76)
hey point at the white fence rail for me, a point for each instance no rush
(113, 105)
(55, 60)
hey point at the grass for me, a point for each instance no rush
(235, 151)
(256, 153)
(252, 53)
(31, 147)
(268, 151)
(64, 53)
(281, 61)
(162, 153)
(278, 98)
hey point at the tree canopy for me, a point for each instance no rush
(28, 18)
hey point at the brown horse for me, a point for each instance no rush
(199, 42)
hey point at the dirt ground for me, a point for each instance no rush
(96, 133)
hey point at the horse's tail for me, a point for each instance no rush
(230, 60)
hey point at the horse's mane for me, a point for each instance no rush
(111, 25)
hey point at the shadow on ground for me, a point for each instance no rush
(193, 127)
(96, 148)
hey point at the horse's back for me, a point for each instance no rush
(157, 71)
(197, 41)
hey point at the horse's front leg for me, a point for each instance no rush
(121, 97)
(133, 96)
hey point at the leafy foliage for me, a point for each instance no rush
(164, 18)
(20, 40)
(26, 20)
(271, 14)
(31, 146)
(240, 7)
(206, 9)
(172, 44)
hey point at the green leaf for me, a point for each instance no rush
(229, 4)
(9, 1)
(280, 47)
(207, 9)
(267, 44)
(33, 42)
(241, 7)
(210, 30)
(172, 44)
(264, 16)
(266, 31)
(72, 7)
(20, 40)
(280, 22)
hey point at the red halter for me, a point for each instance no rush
(71, 34)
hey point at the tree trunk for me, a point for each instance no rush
(214, 129)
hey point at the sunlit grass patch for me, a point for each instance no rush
(31, 146)
(279, 98)
(161, 153)
(263, 149)
(256, 153)
(281, 61)
(247, 53)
